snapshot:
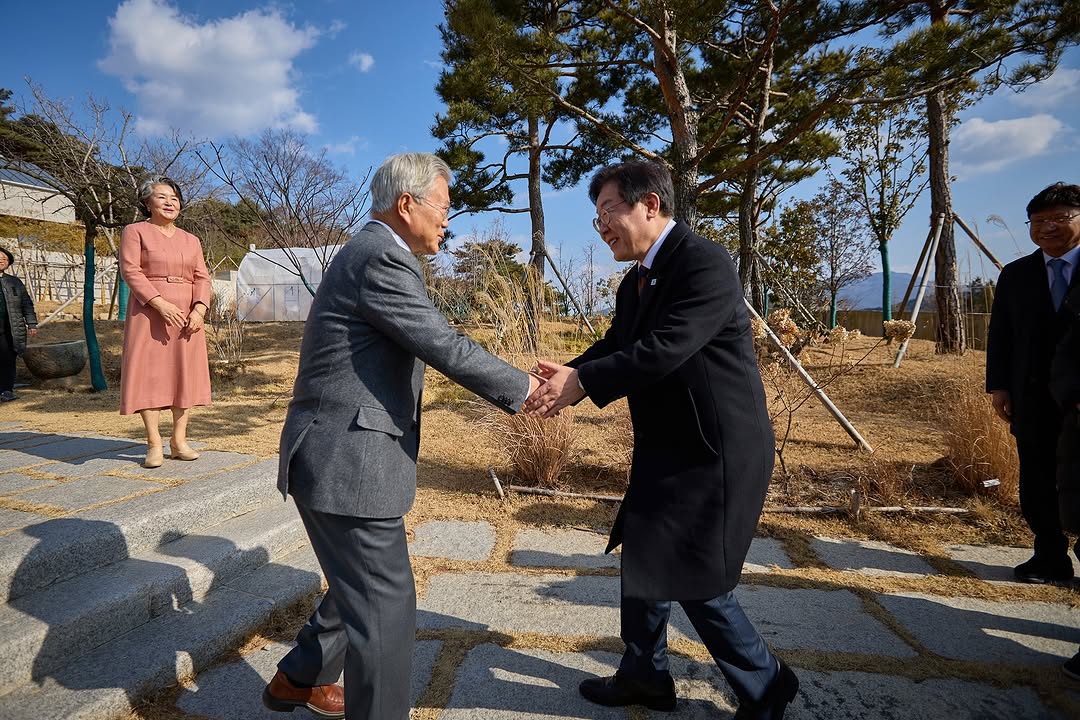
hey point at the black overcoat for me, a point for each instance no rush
(682, 355)
(1065, 386)
(20, 310)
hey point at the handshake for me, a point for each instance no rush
(551, 388)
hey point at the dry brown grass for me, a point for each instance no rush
(981, 449)
(895, 410)
(538, 450)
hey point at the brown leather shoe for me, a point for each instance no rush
(326, 701)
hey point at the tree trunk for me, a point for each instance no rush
(122, 298)
(834, 298)
(538, 252)
(886, 285)
(749, 272)
(683, 116)
(950, 329)
(93, 350)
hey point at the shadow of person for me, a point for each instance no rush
(37, 448)
(996, 633)
(508, 684)
(129, 628)
(69, 620)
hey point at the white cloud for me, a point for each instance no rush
(349, 147)
(362, 61)
(979, 146)
(219, 77)
(1056, 90)
(335, 28)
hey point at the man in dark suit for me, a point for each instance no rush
(1026, 322)
(680, 350)
(351, 438)
(1065, 385)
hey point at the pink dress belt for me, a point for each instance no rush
(170, 278)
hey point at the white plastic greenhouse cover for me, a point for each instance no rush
(268, 288)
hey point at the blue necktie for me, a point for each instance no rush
(1058, 286)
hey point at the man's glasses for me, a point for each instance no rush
(1055, 221)
(601, 221)
(444, 210)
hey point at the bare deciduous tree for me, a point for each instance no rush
(91, 159)
(296, 197)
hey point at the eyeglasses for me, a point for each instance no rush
(444, 210)
(1055, 221)
(603, 218)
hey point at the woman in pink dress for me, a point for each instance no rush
(164, 364)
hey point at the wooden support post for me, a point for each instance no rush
(922, 287)
(811, 383)
(569, 294)
(915, 273)
(791, 298)
(978, 243)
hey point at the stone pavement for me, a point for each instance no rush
(873, 631)
(515, 643)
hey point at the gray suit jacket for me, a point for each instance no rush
(352, 432)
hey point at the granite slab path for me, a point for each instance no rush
(515, 643)
(515, 623)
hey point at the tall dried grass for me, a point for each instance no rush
(538, 451)
(981, 449)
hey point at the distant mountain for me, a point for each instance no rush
(866, 294)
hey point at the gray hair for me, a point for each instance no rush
(146, 189)
(412, 173)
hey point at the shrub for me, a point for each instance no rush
(225, 334)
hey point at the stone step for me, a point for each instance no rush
(44, 630)
(39, 555)
(105, 683)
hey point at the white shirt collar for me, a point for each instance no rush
(397, 238)
(1070, 257)
(651, 255)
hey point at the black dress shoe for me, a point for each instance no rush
(656, 694)
(1039, 572)
(771, 707)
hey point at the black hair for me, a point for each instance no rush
(1057, 195)
(635, 180)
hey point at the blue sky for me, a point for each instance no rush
(359, 78)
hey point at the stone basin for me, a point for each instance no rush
(47, 361)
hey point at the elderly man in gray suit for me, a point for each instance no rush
(350, 441)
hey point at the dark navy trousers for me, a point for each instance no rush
(738, 649)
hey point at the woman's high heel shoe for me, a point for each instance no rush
(154, 457)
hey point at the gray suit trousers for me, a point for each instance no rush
(366, 622)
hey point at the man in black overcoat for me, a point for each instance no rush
(1027, 321)
(680, 350)
(1065, 385)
